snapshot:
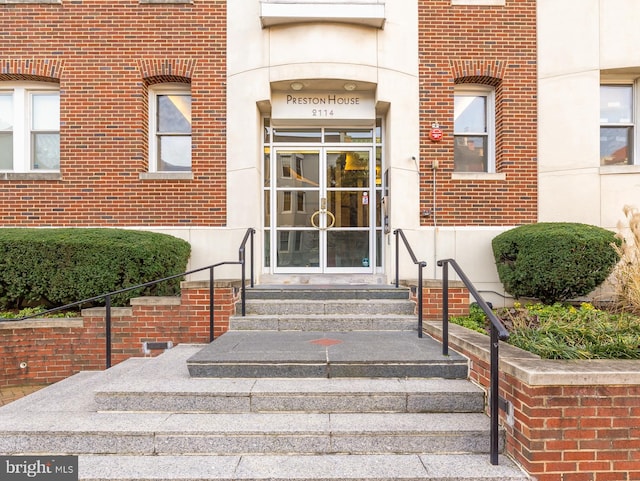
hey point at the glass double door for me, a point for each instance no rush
(322, 210)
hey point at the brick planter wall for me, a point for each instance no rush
(54, 349)
(571, 420)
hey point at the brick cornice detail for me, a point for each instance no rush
(38, 69)
(166, 70)
(489, 72)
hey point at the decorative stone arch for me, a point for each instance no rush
(31, 69)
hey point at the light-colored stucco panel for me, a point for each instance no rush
(619, 33)
(398, 42)
(571, 196)
(332, 43)
(617, 191)
(568, 126)
(568, 36)
(247, 42)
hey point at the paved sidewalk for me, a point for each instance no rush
(10, 394)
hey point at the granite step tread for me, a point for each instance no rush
(245, 433)
(286, 395)
(321, 468)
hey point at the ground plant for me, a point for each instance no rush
(564, 331)
(626, 276)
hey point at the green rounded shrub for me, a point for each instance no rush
(54, 267)
(554, 262)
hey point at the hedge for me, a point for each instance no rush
(554, 261)
(54, 267)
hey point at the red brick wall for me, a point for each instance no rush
(579, 432)
(104, 55)
(488, 45)
(55, 353)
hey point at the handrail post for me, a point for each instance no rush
(107, 326)
(242, 286)
(253, 231)
(494, 396)
(395, 232)
(421, 266)
(445, 308)
(211, 305)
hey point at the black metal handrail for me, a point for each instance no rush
(107, 297)
(421, 265)
(498, 333)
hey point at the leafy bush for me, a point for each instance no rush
(626, 278)
(554, 261)
(562, 331)
(55, 267)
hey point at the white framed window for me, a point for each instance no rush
(474, 129)
(29, 127)
(170, 128)
(618, 111)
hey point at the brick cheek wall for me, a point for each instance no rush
(55, 353)
(568, 433)
(481, 45)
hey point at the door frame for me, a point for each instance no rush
(322, 218)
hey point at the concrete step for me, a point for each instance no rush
(326, 292)
(247, 433)
(363, 307)
(309, 468)
(287, 395)
(355, 354)
(343, 322)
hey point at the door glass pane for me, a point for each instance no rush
(298, 169)
(616, 143)
(297, 135)
(351, 209)
(295, 207)
(347, 248)
(348, 135)
(298, 248)
(348, 169)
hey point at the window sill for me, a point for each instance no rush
(478, 176)
(166, 176)
(619, 169)
(30, 176)
(371, 15)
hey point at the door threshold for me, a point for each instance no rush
(323, 279)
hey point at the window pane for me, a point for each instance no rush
(46, 111)
(470, 154)
(6, 111)
(351, 135)
(46, 151)
(174, 114)
(297, 135)
(6, 151)
(616, 145)
(616, 104)
(470, 114)
(174, 153)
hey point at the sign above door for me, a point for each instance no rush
(322, 106)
